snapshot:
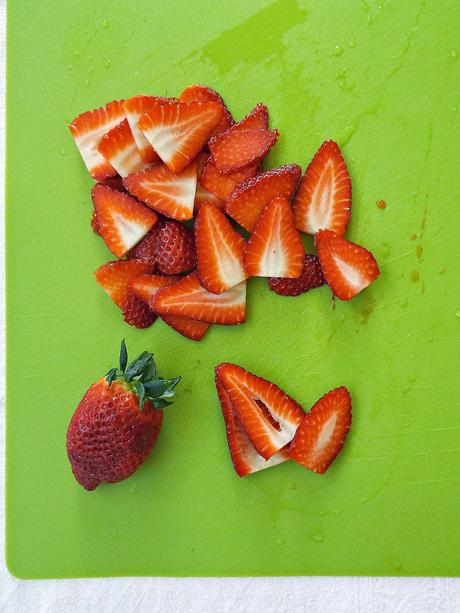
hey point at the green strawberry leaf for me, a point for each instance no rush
(123, 356)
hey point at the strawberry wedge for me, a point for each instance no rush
(222, 184)
(323, 431)
(122, 221)
(134, 108)
(115, 277)
(202, 93)
(275, 248)
(269, 417)
(220, 251)
(178, 131)
(347, 267)
(87, 130)
(257, 119)
(237, 149)
(250, 197)
(244, 456)
(118, 147)
(188, 298)
(323, 200)
(190, 328)
(169, 193)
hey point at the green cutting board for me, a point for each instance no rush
(383, 80)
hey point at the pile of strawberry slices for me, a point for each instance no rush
(184, 204)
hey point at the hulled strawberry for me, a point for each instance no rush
(117, 422)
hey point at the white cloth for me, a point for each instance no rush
(264, 594)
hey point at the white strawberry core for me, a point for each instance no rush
(87, 144)
(351, 274)
(130, 232)
(325, 435)
(273, 263)
(140, 140)
(230, 270)
(127, 161)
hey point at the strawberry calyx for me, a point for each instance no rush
(141, 377)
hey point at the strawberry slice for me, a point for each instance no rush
(202, 194)
(323, 200)
(220, 251)
(275, 248)
(118, 147)
(222, 185)
(122, 221)
(146, 288)
(347, 267)
(237, 149)
(202, 93)
(250, 197)
(134, 108)
(257, 119)
(87, 130)
(188, 298)
(269, 417)
(115, 277)
(165, 191)
(245, 458)
(190, 328)
(323, 431)
(178, 131)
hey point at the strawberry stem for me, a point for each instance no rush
(143, 379)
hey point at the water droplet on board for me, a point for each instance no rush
(280, 541)
(352, 44)
(107, 63)
(318, 538)
(69, 66)
(76, 52)
(338, 51)
(381, 204)
(457, 314)
(90, 69)
(86, 82)
(62, 152)
(415, 276)
(105, 23)
(453, 53)
(292, 486)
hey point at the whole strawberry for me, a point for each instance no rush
(175, 247)
(118, 421)
(311, 277)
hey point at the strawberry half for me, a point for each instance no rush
(237, 149)
(222, 185)
(250, 197)
(122, 221)
(115, 277)
(347, 267)
(202, 93)
(188, 298)
(275, 248)
(323, 200)
(323, 431)
(172, 194)
(178, 131)
(118, 147)
(220, 251)
(269, 417)
(87, 130)
(134, 108)
(244, 456)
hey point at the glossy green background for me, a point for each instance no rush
(384, 81)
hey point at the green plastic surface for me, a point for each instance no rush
(383, 79)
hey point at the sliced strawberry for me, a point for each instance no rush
(202, 93)
(220, 251)
(178, 131)
(323, 431)
(116, 182)
(202, 194)
(323, 200)
(275, 248)
(237, 149)
(87, 130)
(268, 416)
(245, 458)
(117, 146)
(115, 277)
(136, 313)
(122, 221)
(311, 278)
(188, 298)
(165, 191)
(147, 286)
(249, 198)
(190, 328)
(347, 267)
(222, 185)
(134, 108)
(257, 119)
